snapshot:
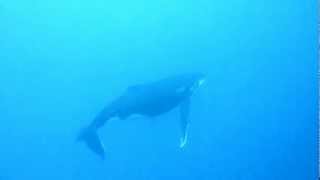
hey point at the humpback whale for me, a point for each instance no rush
(148, 99)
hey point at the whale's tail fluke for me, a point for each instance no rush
(90, 137)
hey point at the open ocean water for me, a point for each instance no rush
(255, 117)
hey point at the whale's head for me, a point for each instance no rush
(199, 78)
(196, 79)
(193, 81)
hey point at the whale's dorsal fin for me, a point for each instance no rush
(184, 123)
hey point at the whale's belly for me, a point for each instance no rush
(151, 101)
(158, 105)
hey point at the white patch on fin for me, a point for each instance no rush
(184, 124)
(184, 140)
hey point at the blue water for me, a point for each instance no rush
(255, 118)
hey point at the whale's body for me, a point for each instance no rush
(149, 99)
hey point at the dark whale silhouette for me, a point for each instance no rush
(149, 99)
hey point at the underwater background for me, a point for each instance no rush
(62, 61)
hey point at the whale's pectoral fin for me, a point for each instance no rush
(90, 137)
(184, 123)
